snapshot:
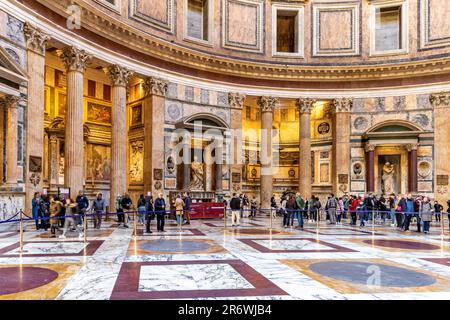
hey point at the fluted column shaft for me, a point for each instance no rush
(412, 167)
(370, 168)
(11, 143)
(236, 102)
(75, 61)
(36, 43)
(304, 164)
(54, 161)
(267, 104)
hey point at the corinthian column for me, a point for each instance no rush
(119, 78)
(236, 103)
(11, 105)
(155, 92)
(36, 41)
(267, 104)
(305, 106)
(441, 104)
(341, 145)
(75, 61)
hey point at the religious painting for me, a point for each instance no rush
(61, 103)
(157, 174)
(136, 171)
(136, 115)
(99, 113)
(236, 177)
(98, 160)
(389, 174)
(35, 164)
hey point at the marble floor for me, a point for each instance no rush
(205, 260)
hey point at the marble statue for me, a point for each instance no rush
(196, 175)
(387, 178)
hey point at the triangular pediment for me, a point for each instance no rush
(10, 69)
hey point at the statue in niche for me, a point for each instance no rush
(196, 175)
(387, 178)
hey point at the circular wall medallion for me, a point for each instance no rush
(18, 279)
(424, 169)
(158, 185)
(174, 111)
(323, 128)
(360, 123)
(402, 244)
(360, 272)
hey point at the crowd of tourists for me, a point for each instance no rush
(62, 213)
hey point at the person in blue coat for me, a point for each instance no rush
(35, 207)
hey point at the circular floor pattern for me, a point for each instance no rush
(16, 279)
(402, 244)
(162, 245)
(365, 273)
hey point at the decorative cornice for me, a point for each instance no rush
(75, 59)
(440, 99)
(119, 75)
(155, 86)
(9, 101)
(267, 104)
(236, 100)
(343, 105)
(411, 146)
(369, 147)
(305, 105)
(103, 24)
(36, 39)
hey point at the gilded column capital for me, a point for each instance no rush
(35, 38)
(267, 104)
(369, 147)
(441, 99)
(155, 86)
(119, 75)
(343, 104)
(9, 101)
(305, 105)
(75, 59)
(236, 100)
(411, 146)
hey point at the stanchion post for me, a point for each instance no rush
(270, 214)
(135, 224)
(21, 230)
(442, 223)
(225, 217)
(85, 226)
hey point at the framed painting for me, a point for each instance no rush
(98, 112)
(60, 102)
(136, 114)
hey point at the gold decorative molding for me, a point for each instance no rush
(343, 105)
(35, 38)
(155, 86)
(75, 59)
(236, 100)
(411, 146)
(119, 75)
(305, 105)
(267, 104)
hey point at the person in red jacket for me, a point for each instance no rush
(354, 201)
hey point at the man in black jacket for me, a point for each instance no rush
(187, 206)
(126, 206)
(235, 206)
(82, 205)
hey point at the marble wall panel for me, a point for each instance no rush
(434, 17)
(156, 13)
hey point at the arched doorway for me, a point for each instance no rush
(202, 167)
(391, 157)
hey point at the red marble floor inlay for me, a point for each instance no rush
(402, 244)
(4, 235)
(348, 232)
(89, 250)
(127, 284)
(443, 261)
(252, 231)
(333, 247)
(18, 279)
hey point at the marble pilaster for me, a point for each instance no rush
(53, 161)
(305, 106)
(441, 104)
(412, 167)
(236, 102)
(36, 41)
(119, 79)
(154, 104)
(75, 61)
(370, 167)
(267, 105)
(10, 103)
(341, 146)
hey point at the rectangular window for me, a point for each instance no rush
(91, 88)
(106, 92)
(287, 31)
(388, 28)
(197, 19)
